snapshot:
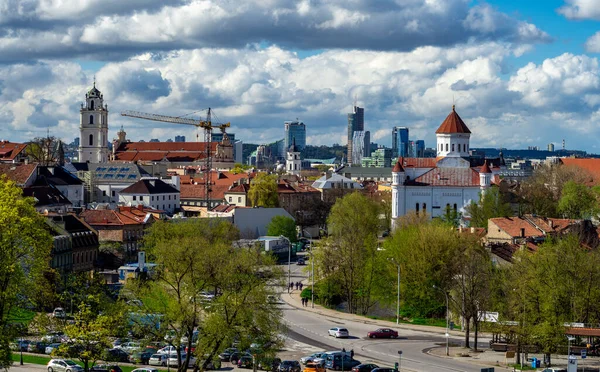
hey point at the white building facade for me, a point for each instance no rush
(93, 142)
(153, 193)
(434, 185)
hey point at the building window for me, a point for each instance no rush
(91, 104)
(446, 147)
(441, 147)
(141, 198)
(103, 192)
(417, 208)
(91, 140)
(91, 119)
(230, 199)
(152, 198)
(134, 197)
(455, 209)
(113, 193)
(163, 197)
(424, 207)
(169, 206)
(453, 147)
(169, 197)
(239, 199)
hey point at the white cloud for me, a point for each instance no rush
(592, 44)
(580, 9)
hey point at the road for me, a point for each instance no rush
(311, 328)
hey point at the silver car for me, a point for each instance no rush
(63, 365)
(338, 332)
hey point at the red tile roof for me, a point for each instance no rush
(10, 150)
(458, 177)
(513, 225)
(19, 173)
(157, 151)
(239, 189)
(397, 168)
(217, 192)
(485, 169)
(118, 217)
(453, 124)
(592, 165)
(418, 162)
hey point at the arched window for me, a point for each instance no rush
(455, 207)
(452, 147)
(424, 207)
(91, 140)
(417, 208)
(91, 119)
(446, 147)
(91, 104)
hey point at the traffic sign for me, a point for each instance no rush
(583, 353)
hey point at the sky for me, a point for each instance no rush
(521, 73)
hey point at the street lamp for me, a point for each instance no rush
(289, 261)
(312, 264)
(447, 321)
(400, 362)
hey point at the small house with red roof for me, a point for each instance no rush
(431, 185)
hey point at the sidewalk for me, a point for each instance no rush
(486, 357)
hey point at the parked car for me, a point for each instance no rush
(245, 362)
(145, 370)
(37, 347)
(59, 313)
(226, 354)
(116, 355)
(158, 360)
(106, 368)
(338, 332)
(315, 357)
(366, 367)
(212, 364)
(314, 367)
(141, 357)
(269, 364)
(54, 337)
(340, 361)
(21, 345)
(290, 366)
(63, 365)
(235, 357)
(168, 350)
(129, 347)
(50, 348)
(383, 333)
(174, 362)
(384, 369)
(300, 261)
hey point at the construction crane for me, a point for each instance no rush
(207, 125)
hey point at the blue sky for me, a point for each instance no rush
(522, 73)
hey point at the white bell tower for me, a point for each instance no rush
(293, 164)
(93, 139)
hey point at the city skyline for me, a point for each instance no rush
(520, 74)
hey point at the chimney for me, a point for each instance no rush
(551, 223)
(140, 207)
(522, 232)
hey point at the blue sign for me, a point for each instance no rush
(583, 354)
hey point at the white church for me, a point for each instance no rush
(93, 142)
(431, 185)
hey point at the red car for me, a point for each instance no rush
(383, 333)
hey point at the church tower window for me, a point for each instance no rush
(446, 147)
(91, 104)
(452, 147)
(91, 140)
(91, 119)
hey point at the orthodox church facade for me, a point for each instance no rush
(432, 185)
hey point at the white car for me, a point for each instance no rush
(315, 358)
(63, 365)
(129, 347)
(173, 362)
(338, 332)
(59, 312)
(158, 360)
(145, 370)
(167, 350)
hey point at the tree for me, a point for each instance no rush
(25, 245)
(491, 204)
(88, 336)
(349, 254)
(451, 216)
(542, 191)
(239, 168)
(578, 201)
(203, 283)
(263, 191)
(45, 151)
(282, 225)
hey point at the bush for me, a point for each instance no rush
(306, 293)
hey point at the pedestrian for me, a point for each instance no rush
(304, 302)
(291, 285)
(297, 285)
(301, 285)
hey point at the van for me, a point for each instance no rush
(333, 360)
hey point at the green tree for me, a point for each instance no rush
(451, 216)
(239, 168)
(349, 254)
(263, 191)
(578, 201)
(282, 225)
(89, 335)
(491, 204)
(203, 283)
(25, 245)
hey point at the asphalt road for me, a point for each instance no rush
(311, 328)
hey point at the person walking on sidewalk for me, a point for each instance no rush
(301, 285)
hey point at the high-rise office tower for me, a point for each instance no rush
(356, 122)
(294, 130)
(367, 144)
(179, 138)
(400, 142)
(420, 149)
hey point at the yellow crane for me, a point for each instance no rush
(207, 125)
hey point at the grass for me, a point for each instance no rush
(418, 321)
(43, 360)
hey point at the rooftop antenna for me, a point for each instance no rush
(355, 99)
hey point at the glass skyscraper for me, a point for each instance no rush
(356, 122)
(400, 142)
(297, 130)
